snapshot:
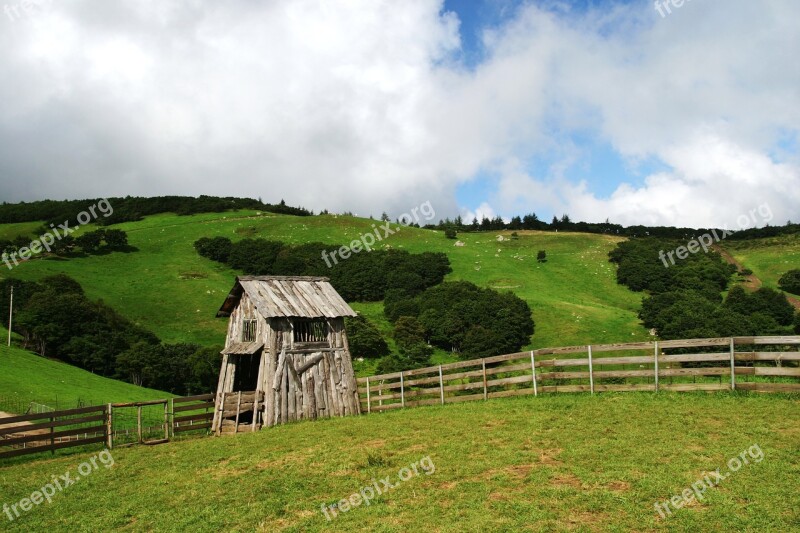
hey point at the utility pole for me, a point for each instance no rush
(10, 315)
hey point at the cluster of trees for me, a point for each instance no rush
(133, 208)
(365, 276)
(790, 282)
(92, 242)
(57, 320)
(686, 300)
(456, 316)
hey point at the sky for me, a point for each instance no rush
(629, 111)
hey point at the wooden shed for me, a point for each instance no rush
(286, 355)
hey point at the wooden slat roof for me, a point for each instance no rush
(288, 296)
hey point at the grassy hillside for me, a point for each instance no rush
(552, 463)
(26, 377)
(770, 258)
(167, 287)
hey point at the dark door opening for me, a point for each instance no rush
(245, 377)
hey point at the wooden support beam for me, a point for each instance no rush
(655, 362)
(441, 385)
(369, 404)
(238, 408)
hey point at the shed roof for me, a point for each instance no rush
(288, 296)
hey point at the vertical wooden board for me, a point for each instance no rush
(333, 394)
(306, 396)
(270, 356)
(283, 391)
(291, 390)
(319, 394)
(322, 380)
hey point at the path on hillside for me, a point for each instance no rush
(751, 282)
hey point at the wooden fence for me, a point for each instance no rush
(764, 364)
(39, 432)
(51, 431)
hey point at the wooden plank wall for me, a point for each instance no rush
(766, 364)
(308, 384)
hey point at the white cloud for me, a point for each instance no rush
(359, 105)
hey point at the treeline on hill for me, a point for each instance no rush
(532, 222)
(685, 299)
(133, 208)
(89, 243)
(57, 320)
(459, 317)
(364, 277)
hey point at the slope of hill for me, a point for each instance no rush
(26, 377)
(166, 287)
(769, 258)
(552, 463)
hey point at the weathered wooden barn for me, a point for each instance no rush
(286, 355)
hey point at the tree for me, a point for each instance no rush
(790, 282)
(450, 232)
(254, 256)
(90, 242)
(385, 217)
(364, 338)
(541, 256)
(408, 332)
(115, 239)
(216, 248)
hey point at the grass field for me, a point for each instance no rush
(552, 463)
(769, 259)
(26, 377)
(168, 288)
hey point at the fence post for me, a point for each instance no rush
(733, 366)
(166, 419)
(655, 358)
(139, 423)
(441, 384)
(369, 406)
(52, 437)
(533, 373)
(591, 372)
(402, 390)
(109, 427)
(485, 389)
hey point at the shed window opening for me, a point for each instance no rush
(249, 330)
(310, 331)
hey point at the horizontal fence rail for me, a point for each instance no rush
(763, 364)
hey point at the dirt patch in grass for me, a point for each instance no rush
(586, 519)
(618, 486)
(548, 457)
(566, 480)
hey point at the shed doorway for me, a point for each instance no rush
(245, 376)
